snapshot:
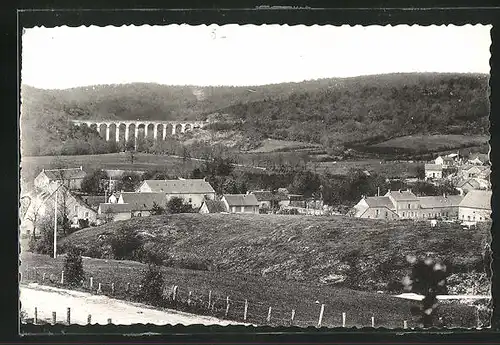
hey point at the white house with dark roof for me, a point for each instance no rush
(405, 203)
(241, 203)
(475, 206)
(193, 191)
(378, 207)
(440, 206)
(72, 178)
(141, 204)
(445, 161)
(213, 206)
(114, 212)
(433, 171)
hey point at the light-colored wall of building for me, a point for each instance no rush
(379, 213)
(121, 216)
(141, 213)
(196, 199)
(203, 209)
(433, 173)
(438, 212)
(407, 209)
(474, 214)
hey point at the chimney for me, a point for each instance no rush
(399, 190)
(81, 167)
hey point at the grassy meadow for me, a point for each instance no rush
(260, 292)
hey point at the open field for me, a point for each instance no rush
(274, 145)
(261, 293)
(389, 169)
(425, 143)
(362, 254)
(176, 166)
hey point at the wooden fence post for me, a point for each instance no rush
(127, 288)
(68, 316)
(293, 317)
(62, 277)
(343, 319)
(35, 319)
(209, 299)
(269, 315)
(405, 324)
(99, 289)
(246, 310)
(373, 321)
(174, 295)
(109, 322)
(189, 298)
(112, 288)
(91, 283)
(89, 319)
(321, 315)
(53, 317)
(227, 306)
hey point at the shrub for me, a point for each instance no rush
(151, 291)
(125, 243)
(73, 267)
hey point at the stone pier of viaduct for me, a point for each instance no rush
(130, 129)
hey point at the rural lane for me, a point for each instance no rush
(49, 299)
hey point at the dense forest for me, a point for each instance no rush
(336, 113)
(371, 109)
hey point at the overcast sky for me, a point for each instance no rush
(244, 55)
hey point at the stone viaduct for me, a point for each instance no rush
(130, 129)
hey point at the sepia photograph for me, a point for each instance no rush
(258, 175)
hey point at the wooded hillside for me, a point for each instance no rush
(333, 112)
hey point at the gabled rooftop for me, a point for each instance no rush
(65, 174)
(480, 199)
(241, 199)
(189, 186)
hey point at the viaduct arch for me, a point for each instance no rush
(172, 127)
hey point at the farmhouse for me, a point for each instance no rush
(471, 171)
(444, 161)
(72, 178)
(241, 203)
(478, 159)
(213, 206)
(466, 185)
(405, 203)
(114, 212)
(269, 200)
(193, 191)
(433, 171)
(141, 204)
(379, 207)
(442, 206)
(475, 206)
(72, 205)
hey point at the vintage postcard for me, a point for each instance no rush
(325, 176)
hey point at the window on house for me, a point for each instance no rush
(376, 213)
(403, 214)
(409, 206)
(468, 217)
(76, 209)
(386, 214)
(86, 214)
(190, 200)
(139, 214)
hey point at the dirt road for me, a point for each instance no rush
(49, 299)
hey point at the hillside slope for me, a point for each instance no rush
(370, 109)
(331, 112)
(362, 254)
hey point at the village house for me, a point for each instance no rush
(93, 200)
(271, 201)
(475, 206)
(475, 171)
(193, 191)
(405, 203)
(478, 159)
(433, 171)
(141, 204)
(378, 207)
(69, 203)
(445, 161)
(213, 206)
(241, 203)
(466, 185)
(440, 206)
(72, 178)
(112, 212)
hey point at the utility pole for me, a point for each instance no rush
(55, 226)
